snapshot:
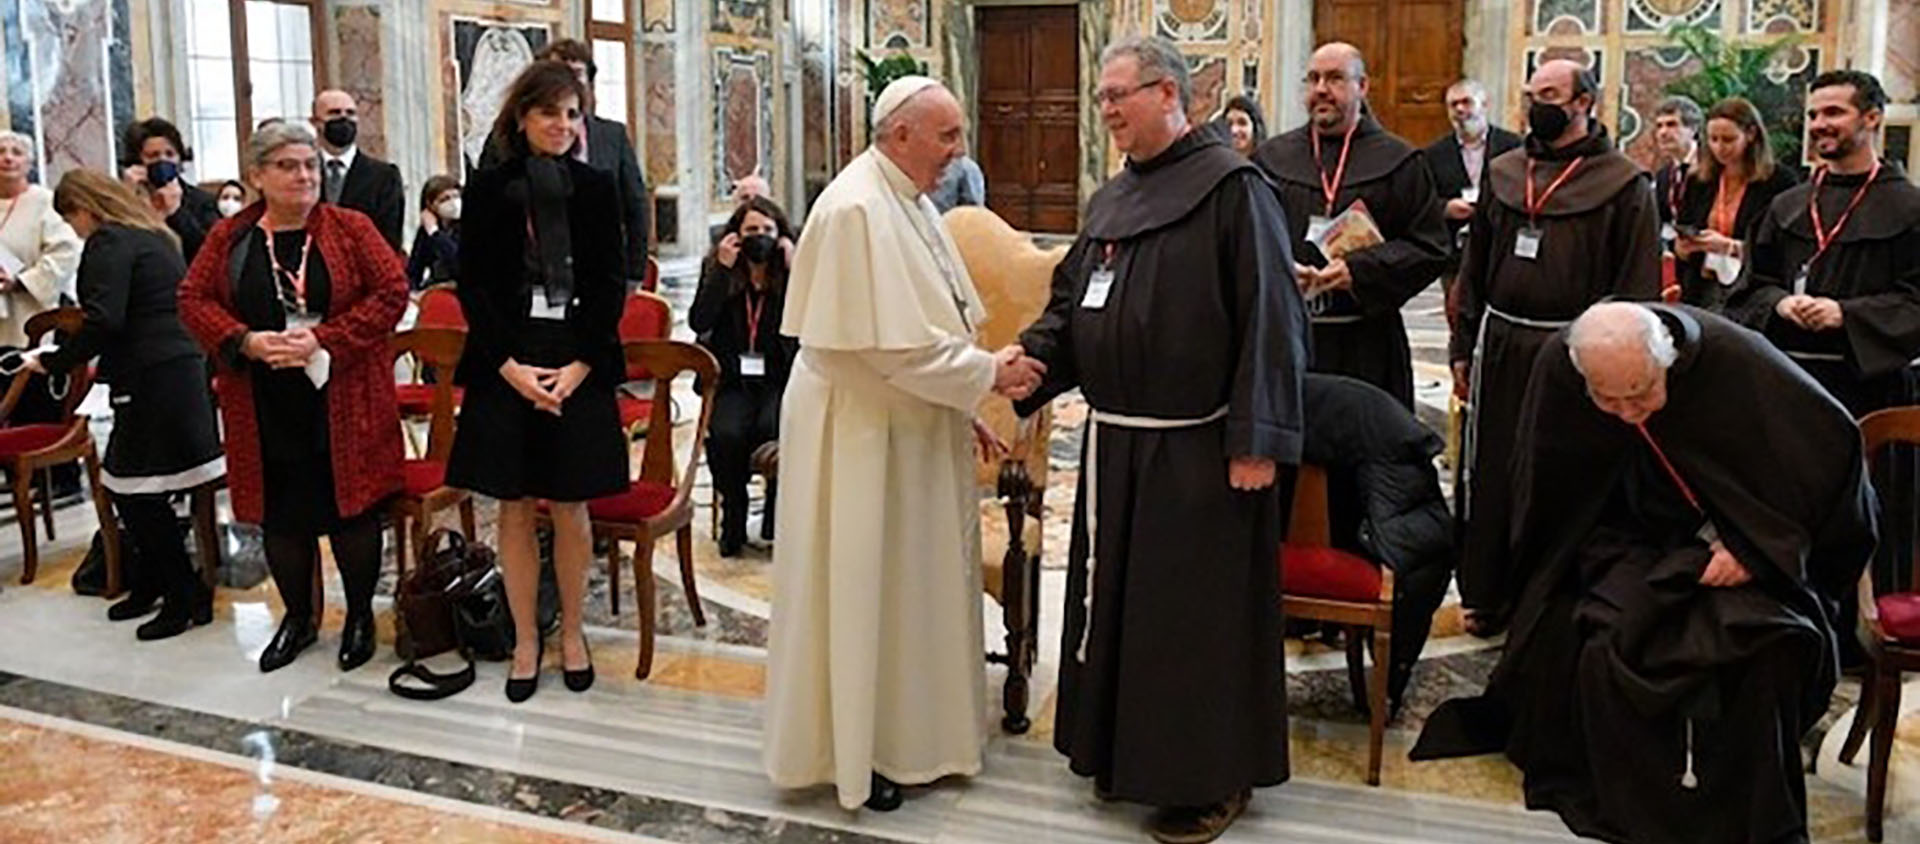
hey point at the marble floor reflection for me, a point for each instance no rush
(105, 739)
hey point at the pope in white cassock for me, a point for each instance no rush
(875, 669)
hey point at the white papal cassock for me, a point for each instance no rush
(875, 657)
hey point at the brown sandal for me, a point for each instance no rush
(1198, 825)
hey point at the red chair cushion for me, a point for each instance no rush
(417, 399)
(440, 309)
(1900, 616)
(420, 477)
(1328, 573)
(20, 439)
(642, 500)
(633, 410)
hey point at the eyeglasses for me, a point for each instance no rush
(294, 165)
(1332, 77)
(1110, 96)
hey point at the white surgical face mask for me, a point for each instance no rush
(448, 209)
(230, 207)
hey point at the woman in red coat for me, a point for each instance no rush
(297, 311)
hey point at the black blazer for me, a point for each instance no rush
(609, 150)
(197, 213)
(1450, 176)
(128, 284)
(494, 289)
(373, 188)
(1663, 189)
(719, 317)
(1696, 206)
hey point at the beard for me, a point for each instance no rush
(1843, 146)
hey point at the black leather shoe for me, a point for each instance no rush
(521, 688)
(885, 795)
(732, 542)
(296, 634)
(133, 606)
(356, 641)
(581, 680)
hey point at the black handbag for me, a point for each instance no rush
(455, 600)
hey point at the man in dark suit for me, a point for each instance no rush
(1459, 161)
(351, 178)
(608, 148)
(1676, 133)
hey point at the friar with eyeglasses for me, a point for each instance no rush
(1339, 167)
(1571, 222)
(1176, 315)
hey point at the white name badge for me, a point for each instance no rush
(538, 308)
(306, 321)
(1098, 286)
(1800, 282)
(1317, 227)
(1527, 243)
(1470, 194)
(753, 365)
(1668, 233)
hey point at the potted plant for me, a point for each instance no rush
(1740, 69)
(882, 73)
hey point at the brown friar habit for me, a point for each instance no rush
(1873, 269)
(1641, 705)
(1181, 697)
(1599, 239)
(1358, 332)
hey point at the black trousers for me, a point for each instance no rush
(163, 567)
(746, 415)
(294, 557)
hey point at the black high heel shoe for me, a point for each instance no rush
(581, 680)
(521, 688)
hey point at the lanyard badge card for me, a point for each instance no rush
(1099, 284)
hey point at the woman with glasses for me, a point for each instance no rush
(297, 313)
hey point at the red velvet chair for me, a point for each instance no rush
(1890, 632)
(438, 307)
(425, 493)
(1324, 583)
(651, 281)
(30, 449)
(644, 317)
(660, 501)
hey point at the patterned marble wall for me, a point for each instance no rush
(1903, 51)
(741, 65)
(69, 78)
(362, 74)
(662, 114)
(1626, 44)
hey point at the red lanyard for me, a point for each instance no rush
(299, 279)
(1534, 206)
(1676, 188)
(1671, 472)
(753, 320)
(1331, 187)
(1821, 234)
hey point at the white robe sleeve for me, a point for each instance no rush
(952, 372)
(53, 274)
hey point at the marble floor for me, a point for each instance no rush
(106, 739)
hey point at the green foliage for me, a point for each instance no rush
(1739, 69)
(882, 73)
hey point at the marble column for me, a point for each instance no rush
(1488, 54)
(1292, 46)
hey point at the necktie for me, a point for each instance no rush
(336, 176)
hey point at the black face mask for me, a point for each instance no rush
(1548, 121)
(758, 247)
(340, 131)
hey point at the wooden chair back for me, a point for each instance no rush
(1014, 279)
(1879, 430)
(667, 360)
(1308, 524)
(66, 322)
(651, 281)
(439, 348)
(644, 317)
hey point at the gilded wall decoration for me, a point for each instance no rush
(749, 18)
(897, 24)
(1190, 20)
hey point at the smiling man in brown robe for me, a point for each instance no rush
(1570, 222)
(1340, 159)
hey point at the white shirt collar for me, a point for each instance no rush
(346, 158)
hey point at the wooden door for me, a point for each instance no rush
(1029, 114)
(1413, 50)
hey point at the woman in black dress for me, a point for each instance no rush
(1726, 195)
(164, 439)
(542, 292)
(743, 290)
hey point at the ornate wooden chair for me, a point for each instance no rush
(1014, 278)
(1890, 631)
(645, 317)
(425, 493)
(30, 449)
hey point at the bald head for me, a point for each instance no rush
(1336, 86)
(1565, 85)
(923, 135)
(335, 106)
(749, 186)
(1623, 351)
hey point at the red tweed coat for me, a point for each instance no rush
(369, 295)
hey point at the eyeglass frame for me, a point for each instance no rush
(1105, 98)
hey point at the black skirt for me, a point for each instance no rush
(162, 421)
(508, 449)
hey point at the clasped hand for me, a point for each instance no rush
(1334, 276)
(547, 388)
(1813, 313)
(1723, 570)
(1015, 375)
(288, 349)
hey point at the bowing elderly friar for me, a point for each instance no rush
(1570, 221)
(875, 666)
(1676, 632)
(1340, 162)
(1176, 315)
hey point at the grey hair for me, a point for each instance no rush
(18, 138)
(1593, 329)
(1471, 86)
(1156, 58)
(1684, 108)
(269, 139)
